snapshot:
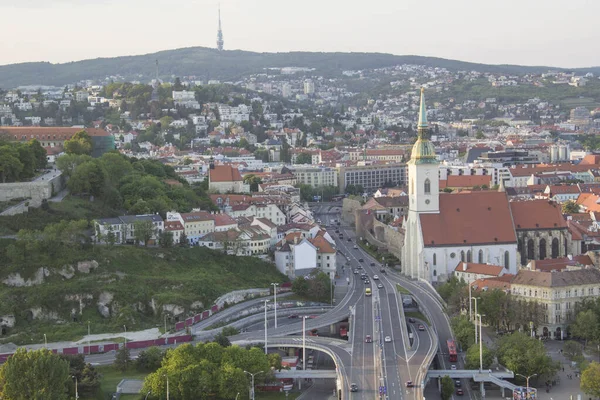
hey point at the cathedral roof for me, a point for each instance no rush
(537, 214)
(465, 219)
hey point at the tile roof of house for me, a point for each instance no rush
(558, 278)
(322, 245)
(537, 214)
(497, 283)
(550, 264)
(589, 201)
(397, 201)
(224, 173)
(267, 222)
(223, 219)
(173, 226)
(468, 181)
(466, 218)
(197, 216)
(563, 189)
(480, 269)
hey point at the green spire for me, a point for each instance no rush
(422, 111)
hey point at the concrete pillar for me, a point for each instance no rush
(332, 329)
(502, 391)
(482, 389)
(439, 382)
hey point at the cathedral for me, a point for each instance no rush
(442, 229)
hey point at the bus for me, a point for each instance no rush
(367, 291)
(452, 351)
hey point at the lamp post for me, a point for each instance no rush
(480, 341)
(527, 381)
(475, 298)
(304, 341)
(89, 349)
(147, 394)
(252, 375)
(470, 305)
(167, 376)
(266, 301)
(45, 341)
(125, 327)
(275, 300)
(76, 388)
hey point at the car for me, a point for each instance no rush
(453, 367)
(356, 271)
(367, 282)
(353, 387)
(380, 286)
(411, 320)
(368, 339)
(410, 384)
(361, 260)
(457, 383)
(375, 277)
(292, 316)
(421, 327)
(382, 270)
(355, 247)
(387, 339)
(337, 231)
(459, 392)
(349, 239)
(342, 237)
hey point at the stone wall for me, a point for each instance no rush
(238, 296)
(377, 233)
(35, 191)
(349, 208)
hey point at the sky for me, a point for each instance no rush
(560, 33)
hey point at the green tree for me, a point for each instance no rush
(222, 340)
(572, 349)
(10, 164)
(586, 325)
(80, 143)
(150, 359)
(304, 158)
(590, 380)
(570, 207)
(39, 153)
(34, 375)
(525, 355)
(88, 178)
(274, 361)
(232, 380)
(68, 162)
(166, 239)
(122, 359)
(143, 231)
(116, 166)
(447, 387)
(464, 331)
(472, 357)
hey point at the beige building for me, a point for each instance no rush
(372, 177)
(390, 155)
(558, 292)
(316, 176)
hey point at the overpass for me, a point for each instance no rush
(496, 378)
(310, 374)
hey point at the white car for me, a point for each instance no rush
(355, 247)
(387, 339)
(375, 277)
(453, 367)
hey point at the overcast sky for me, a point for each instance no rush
(530, 32)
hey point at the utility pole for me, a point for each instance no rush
(475, 298)
(266, 301)
(275, 300)
(480, 340)
(527, 382)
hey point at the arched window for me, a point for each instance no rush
(427, 186)
(469, 258)
(506, 260)
(542, 245)
(480, 257)
(462, 256)
(434, 259)
(555, 248)
(434, 272)
(530, 254)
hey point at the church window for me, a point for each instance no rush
(452, 255)
(434, 260)
(542, 250)
(506, 260)
(530, 254)
(434, 272)
(427, 186)
(469, 258)
(555, 248)
(462, 256)
(480, 257)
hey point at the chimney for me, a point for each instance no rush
(464, 266)
(532, 265)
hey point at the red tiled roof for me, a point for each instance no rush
(224, 173)
(223, 219)
(469, 218)
(537, 214)
(322, 244)
(173, 226)
(497, 283)
(468, 181)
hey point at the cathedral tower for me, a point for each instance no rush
(423, 169)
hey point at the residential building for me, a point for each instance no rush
(372, 177)
(315, 176)
(226, 179)
(122, 229)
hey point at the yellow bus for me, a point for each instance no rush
(367, 291)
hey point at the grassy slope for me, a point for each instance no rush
(135, 276)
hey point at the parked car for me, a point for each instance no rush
(355, 247)
(349, 239)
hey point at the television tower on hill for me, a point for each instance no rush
(220, 41)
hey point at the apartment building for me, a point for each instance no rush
(316, 176)
(372, 177)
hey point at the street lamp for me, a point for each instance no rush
(147, 394)
(480, 339)
(76, 389)
(252, 375)
(167, 376)
(527, 379)
(89, 349)
(304, 341)
(275, 300)
(266, 301)
(124, 327)
(45, 341)
(476, 298)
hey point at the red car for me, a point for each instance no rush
(421, 327)
(459, 392)
(368, 339)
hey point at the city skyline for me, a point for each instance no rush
(511, 32)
